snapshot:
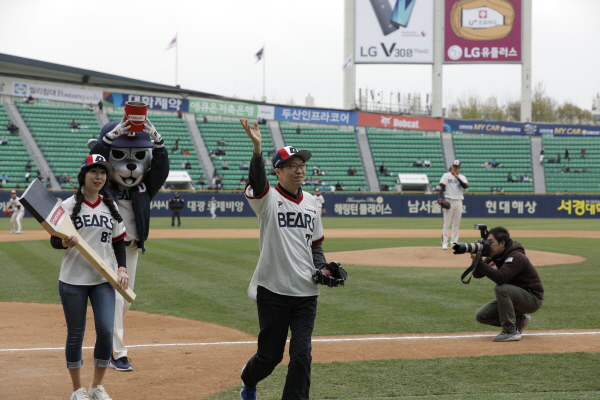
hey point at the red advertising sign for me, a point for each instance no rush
(482, 31)
(400, 122)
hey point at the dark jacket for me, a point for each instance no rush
(512, 267)
(176, 203)
(142, 194)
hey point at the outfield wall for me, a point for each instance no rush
(388, 204)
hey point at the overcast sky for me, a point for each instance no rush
(303, 40)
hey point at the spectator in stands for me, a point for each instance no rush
(262, 121)
(339, 186)
(179, 114)
(567, 155)
(204, 120)
(4, 141)
(383, 169)
(224, 165)
(5, 179)
(74, 125)
(509, 178)
(350, 171)
(14, 130)
(315, 170)
(418, 163)
(244, 166)
(427, 163)
(187, 164)
(222, 142)
(201, 181)
(298, 131)
(542, 157)
(28, 99)
(100, 106)
(355, 171)
(28, 166)
(185, 152)
(494, 163)
(27, 176)
(582, 152)
(557, 159)
(385, 187)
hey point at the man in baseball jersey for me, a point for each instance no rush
(452, 184)
(320, 201)
(291, 235)
(17, 212)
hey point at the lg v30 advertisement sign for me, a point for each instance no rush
(394, 31)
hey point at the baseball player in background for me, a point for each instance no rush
(97, 220)
(320, 201)
(452, 185)
(17, 212)
(291, 235)
(213, 208)
(176, 204)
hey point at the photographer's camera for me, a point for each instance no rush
(482, 245)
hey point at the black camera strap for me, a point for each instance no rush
(466, 276)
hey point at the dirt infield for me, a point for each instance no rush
(176, 358)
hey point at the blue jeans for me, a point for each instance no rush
(74, 300)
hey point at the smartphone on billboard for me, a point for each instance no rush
(402, 11)
(383, 12)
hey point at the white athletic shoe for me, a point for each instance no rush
(444, 246)
(12, 232)
(19, 232)
(98, 393)
(80, 394)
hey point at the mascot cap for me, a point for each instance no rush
(285, 153)
(138, 139)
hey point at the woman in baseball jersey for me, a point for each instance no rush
(291, 235)
(17, 212)
(98, 222)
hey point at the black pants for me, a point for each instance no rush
(175, 213)
(277, 314)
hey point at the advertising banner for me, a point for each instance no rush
(210, 107)
(56, 93)
(400, 122)
(380, 205)
(482, 31)
(397, 33)
(315, 116)
(153, 102)
(517, 128)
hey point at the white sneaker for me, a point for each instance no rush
(98, 393)
(444, 246)
(19, 232)
(12, 232)
(80, 394)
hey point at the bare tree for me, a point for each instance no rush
(542, 106)
(569, 113)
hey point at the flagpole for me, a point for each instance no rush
(176, 57)
(264, 67)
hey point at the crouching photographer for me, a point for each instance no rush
(518, 290)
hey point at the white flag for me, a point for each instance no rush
(348, 62)
(172, 44)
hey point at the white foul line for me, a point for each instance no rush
(362, 339)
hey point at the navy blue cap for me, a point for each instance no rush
(287, 152)
(133, 139)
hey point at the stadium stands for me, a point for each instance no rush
(333, 150)
(512, 153)
(238, 150)
(63, 146)
(13, 157)
(399, 150)
(576, 174)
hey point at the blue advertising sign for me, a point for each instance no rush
(382, 205)
(517, 128)
(153, 102)
(316, 116)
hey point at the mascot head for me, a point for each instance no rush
(130, 155)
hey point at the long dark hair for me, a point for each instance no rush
(110, 203)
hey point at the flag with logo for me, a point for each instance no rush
(260, 54)
(172, 44)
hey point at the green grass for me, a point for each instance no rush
(206, 279)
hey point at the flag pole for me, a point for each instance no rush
(176, 57)
(264, 67)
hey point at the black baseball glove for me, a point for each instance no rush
(444, 204)
(332, 275)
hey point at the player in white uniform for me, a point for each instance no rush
(320, 200)
(282, 286)
(213, 208)
(453, 184)
(18, 212)
(97, 220)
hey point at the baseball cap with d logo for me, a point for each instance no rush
(285, 153)
(96, 159)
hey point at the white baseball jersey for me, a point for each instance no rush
(213, 205)
(97, 227)
(320, 200)
(288, 229)
(453, 189)
(16, 205)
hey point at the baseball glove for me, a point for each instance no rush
(8, 211)
(332, 275)
(444, 204)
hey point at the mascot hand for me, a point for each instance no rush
(151, 130)
(121, 129)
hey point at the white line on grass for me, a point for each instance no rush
(362, 339)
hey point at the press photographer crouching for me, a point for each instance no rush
(518, 290)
